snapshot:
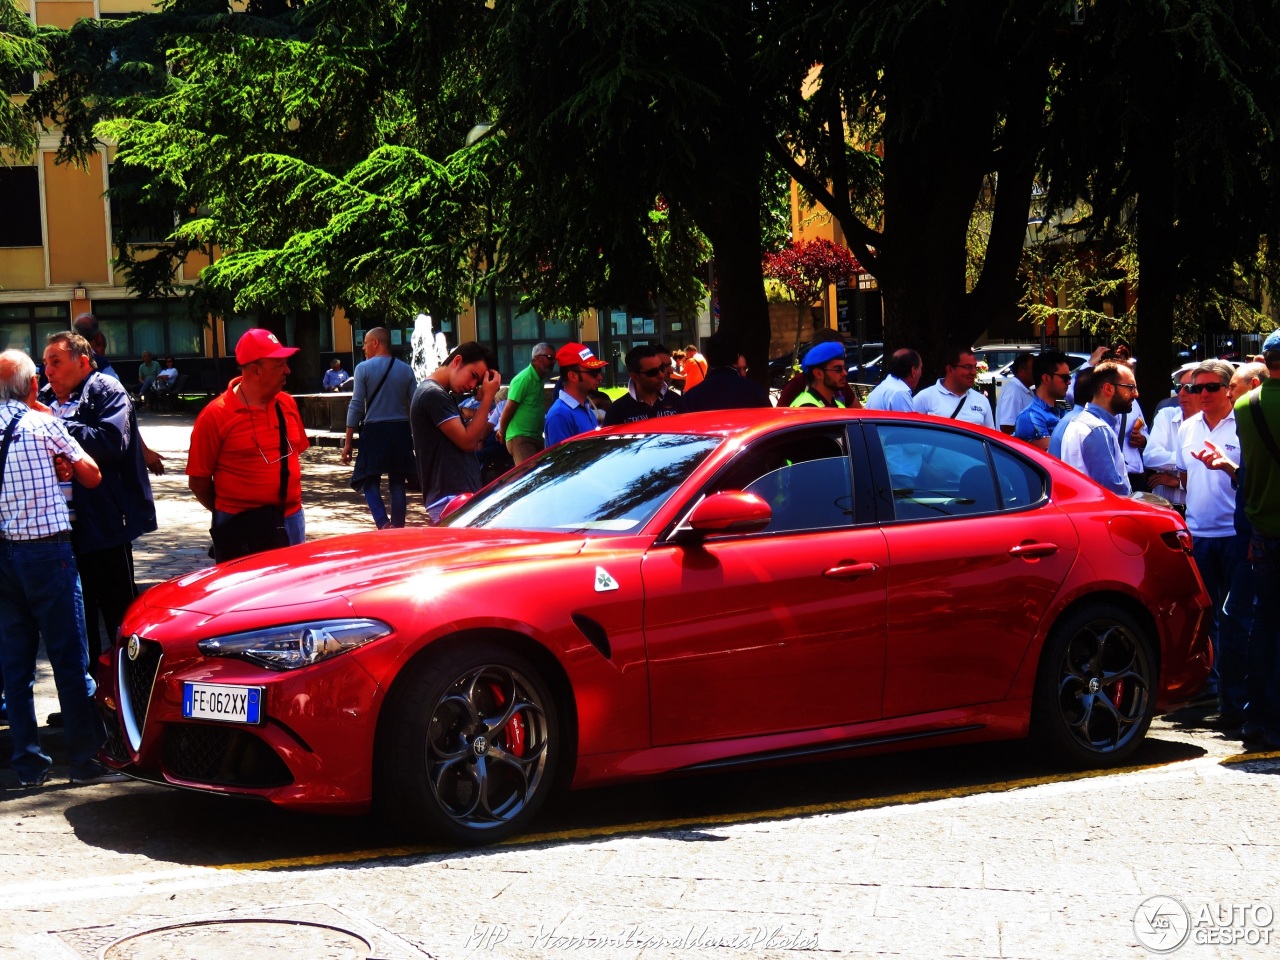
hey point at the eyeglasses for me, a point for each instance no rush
(838, 369)
(966, 366)
(1127, 386)
(599, 372)
(1064, 377)
(1202, 387)
(262, 453)
(655, 372)
(1180, 387)
(544, 356)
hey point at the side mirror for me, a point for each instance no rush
(455, 504)
(730, 512)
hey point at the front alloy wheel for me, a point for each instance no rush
(469, 746)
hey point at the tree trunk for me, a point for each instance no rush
(1159, 252)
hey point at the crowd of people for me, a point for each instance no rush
(75, 493)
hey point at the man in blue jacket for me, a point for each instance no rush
(97, 412)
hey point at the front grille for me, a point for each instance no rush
(139, 677)
(114, 747)
(214, 754)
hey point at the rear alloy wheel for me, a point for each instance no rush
(1095, 694)
(469, 748)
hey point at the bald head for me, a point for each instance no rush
(377, 342)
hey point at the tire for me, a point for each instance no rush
(1095, 691)
(468, 746)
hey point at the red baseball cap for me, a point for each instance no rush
(576, 355)
(258, 344)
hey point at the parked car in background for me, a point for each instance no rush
(682, 595)
(868, 367)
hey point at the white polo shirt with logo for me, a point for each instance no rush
(938, 401)
(1211, 502)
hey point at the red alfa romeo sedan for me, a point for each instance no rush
(693, 593)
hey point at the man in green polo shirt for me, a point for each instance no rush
(1261, 485)
(520, 427)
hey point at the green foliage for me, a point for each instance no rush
(21, 54)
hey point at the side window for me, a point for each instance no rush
(937, 473)
(805, 479)
(1021, 485)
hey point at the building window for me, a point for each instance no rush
(20, 201)
(131, 220)
(159, 326)
(24, 326)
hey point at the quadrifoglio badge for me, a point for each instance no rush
(1162, 924)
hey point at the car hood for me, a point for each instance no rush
(337, 568)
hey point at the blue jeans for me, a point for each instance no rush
(1224, 566)
(40, 596)
(372, 491)
(1263, 682)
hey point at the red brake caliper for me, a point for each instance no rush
(1117, 693)
(514, 731)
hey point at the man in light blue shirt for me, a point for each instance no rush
(894, 391)
(1084, 390)
(1090, 441)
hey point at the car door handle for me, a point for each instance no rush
(850, 571)
(1033, 550)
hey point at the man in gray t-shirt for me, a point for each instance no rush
(379, 409)
(445, 447)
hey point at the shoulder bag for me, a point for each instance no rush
(260, 528)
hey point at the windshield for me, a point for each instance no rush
(609, 484)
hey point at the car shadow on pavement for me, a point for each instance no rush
(195, 829)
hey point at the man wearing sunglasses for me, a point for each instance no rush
(245, 444)
(1036, 422)
(523, 415)
(647, 394)
(1219, 550)
(824, 365)
(572, 413)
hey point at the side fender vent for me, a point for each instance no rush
(595, 634)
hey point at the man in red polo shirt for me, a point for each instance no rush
(245, 447)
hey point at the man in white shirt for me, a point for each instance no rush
(953, 397)
(894, 391)
(1016, 393)
(1161, 455)
(1218, 548)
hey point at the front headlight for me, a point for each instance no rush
(296, 645)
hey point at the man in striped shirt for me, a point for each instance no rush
(39, 586)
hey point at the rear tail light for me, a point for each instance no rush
(1177, 540)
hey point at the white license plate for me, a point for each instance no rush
(220, 701)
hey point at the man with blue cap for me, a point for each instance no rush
(1258, 428)
(824, 366)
